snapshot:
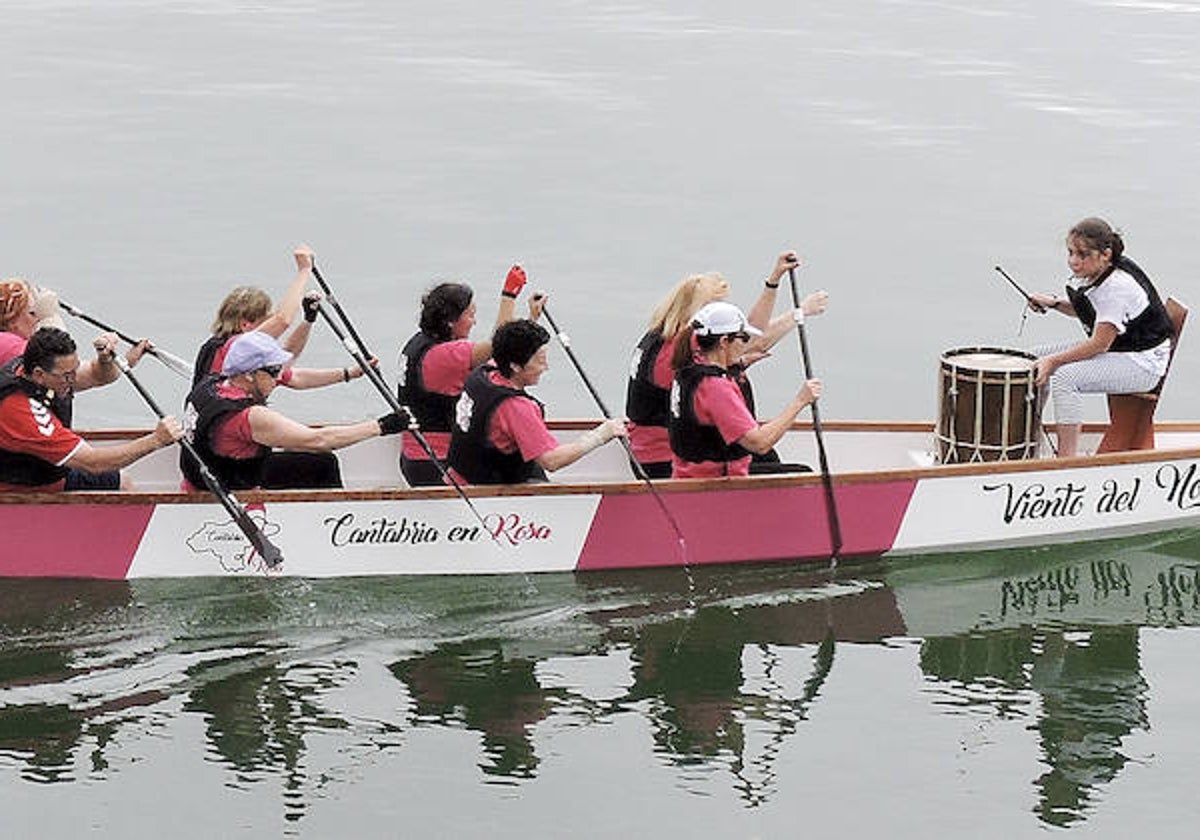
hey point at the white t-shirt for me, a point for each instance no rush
(1120, 299)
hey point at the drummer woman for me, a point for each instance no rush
(1128, 343)
(651, 372)
(712, 432)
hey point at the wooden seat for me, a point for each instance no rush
(1131, 416)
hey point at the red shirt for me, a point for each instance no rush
(444, 369)
(29, 427)
(718, 402)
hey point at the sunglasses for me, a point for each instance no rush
(739, 336)
(272, 371)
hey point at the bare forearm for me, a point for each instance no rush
(98, 459)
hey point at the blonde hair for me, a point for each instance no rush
(673, 315)
(16, 296)
(245, 303)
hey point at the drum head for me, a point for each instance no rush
(998, 359)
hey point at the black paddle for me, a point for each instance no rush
(358, 351)
(1034, 305)
(170, 360)
(565, 341)
(835, 526)
(266, 549)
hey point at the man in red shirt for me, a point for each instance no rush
(38, 450)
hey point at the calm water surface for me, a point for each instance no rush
(154, 154)
(996, 695)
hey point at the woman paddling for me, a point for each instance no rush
(434, 364)
(651, 372)
(711, 429)
(1129, 333)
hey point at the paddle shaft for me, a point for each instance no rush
(640, 473)
(266, 549)
(337, 307)
(361, 355)
(170, 360)
(835, 526)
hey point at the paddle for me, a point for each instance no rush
(835, 527)
(565, 341)
(358, 351)
(266, 549)
(170, 360)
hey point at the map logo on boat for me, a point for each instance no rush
(225, 541)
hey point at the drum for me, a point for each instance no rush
(990, 408)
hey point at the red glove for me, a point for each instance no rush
(514, 282)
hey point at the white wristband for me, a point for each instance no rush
(798, 314)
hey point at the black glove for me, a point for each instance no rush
(311, 305)
(394, 423)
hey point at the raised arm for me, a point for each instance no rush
(278, 321)
(514, 281)
(759, 315)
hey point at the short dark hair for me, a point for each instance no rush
(443, 305)
(45, 347)
(515, 342)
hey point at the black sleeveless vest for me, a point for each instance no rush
(204, 358)
(1149, 329)
(646, 403)
(206, 406)
(434, 412)
(690, 439)
(19, 467)
(471, 454)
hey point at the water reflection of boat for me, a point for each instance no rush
(724, 684)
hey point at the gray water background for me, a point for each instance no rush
(153, 154)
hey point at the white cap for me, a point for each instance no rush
(721, 318)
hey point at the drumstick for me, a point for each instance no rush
(1034, 305)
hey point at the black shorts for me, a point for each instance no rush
(80, 480)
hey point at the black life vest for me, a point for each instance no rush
(434, 412)
(690, 439)
(204, 358)
(471, 453)
(1151, 326)
(645, 402)
(203, 409)
(19, 467)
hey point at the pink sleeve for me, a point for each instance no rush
(663, 374)
(517, 424)
(445, 367)
(718, 402)
(233, 438)
(11, 346)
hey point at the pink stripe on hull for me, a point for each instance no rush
(71, 540)
(722, 526)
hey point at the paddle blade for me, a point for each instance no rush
(172, 362)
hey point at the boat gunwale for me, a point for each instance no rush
(630, 486)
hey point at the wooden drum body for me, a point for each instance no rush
(989, 406)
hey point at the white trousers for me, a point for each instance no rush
(1107, 373)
